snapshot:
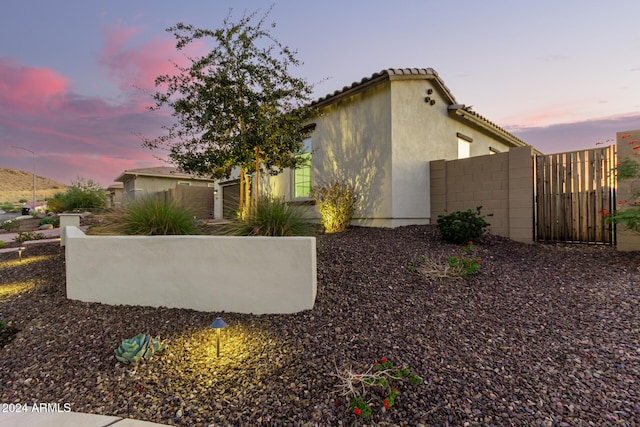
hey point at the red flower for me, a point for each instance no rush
(386, 403)
(139, 387)
(357, 411)
(384, 360)
(337, 403)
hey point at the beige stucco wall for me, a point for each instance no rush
(352, 143)
(422, 132)
(627, 240)
(381, 141)
(208, 273)
(502, 184)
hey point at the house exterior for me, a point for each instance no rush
(114, 195)
(379, 136)
(190, 191)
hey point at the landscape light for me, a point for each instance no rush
(217, 325)
(20, 249)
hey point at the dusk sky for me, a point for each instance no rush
(561, 75)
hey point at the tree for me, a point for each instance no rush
(237, 106)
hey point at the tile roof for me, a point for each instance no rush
(460, 111)
(387, 74)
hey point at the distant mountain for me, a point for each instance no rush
(16, 185)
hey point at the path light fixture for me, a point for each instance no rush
(20, 249)
(217, 325)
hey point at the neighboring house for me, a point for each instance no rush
(379, 135)
(190, 191)
(114, 195)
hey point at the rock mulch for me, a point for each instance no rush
(543, 335)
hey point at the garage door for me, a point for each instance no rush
(230, 200)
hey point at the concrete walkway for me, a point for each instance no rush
(66, 419)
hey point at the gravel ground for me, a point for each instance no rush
(541, 335)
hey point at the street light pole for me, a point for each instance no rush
(34, 173)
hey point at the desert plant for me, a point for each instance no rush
(272, 217)
(25, 236)
(629, 217)
(337, 205)
(462, 226)
(55, 222)
(10, 225)
(132, 350)
(383, 375)
(81, 195)
(148, 216)
(8, 207)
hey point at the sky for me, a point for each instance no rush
(76, 75)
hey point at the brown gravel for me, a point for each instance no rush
(542, 335)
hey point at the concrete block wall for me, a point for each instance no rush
(501, 183)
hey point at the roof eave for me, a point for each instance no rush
(461, 113)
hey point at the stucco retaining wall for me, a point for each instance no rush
(257, 275)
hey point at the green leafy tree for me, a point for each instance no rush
(237, 106)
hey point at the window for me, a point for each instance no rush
(302, 175)
(464, 146)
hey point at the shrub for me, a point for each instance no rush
(81, 195)
(2, 244)
(25, 236)
(55, 222)
(8, 207)
(148, 216)
(10, 225)
(628, 170)
(22, 201)
(272, 217)
(337, 204)
(462, 226)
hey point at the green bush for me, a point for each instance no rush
(272, 217)
(337, 205)
(462, 226)
(10, 225)
(8, 207)
(2, 244)
(81, 195)
(148, 216)
(55, 222)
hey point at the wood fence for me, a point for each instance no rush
(573, 192)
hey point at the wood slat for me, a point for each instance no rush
(572, 189)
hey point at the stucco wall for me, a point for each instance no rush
(207, 273)
(422, 132)
(352, 143)
(502, 184)
(627, 240)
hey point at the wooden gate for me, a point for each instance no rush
(573, 190)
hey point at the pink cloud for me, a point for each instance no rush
(137, 65)
(28, 88)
